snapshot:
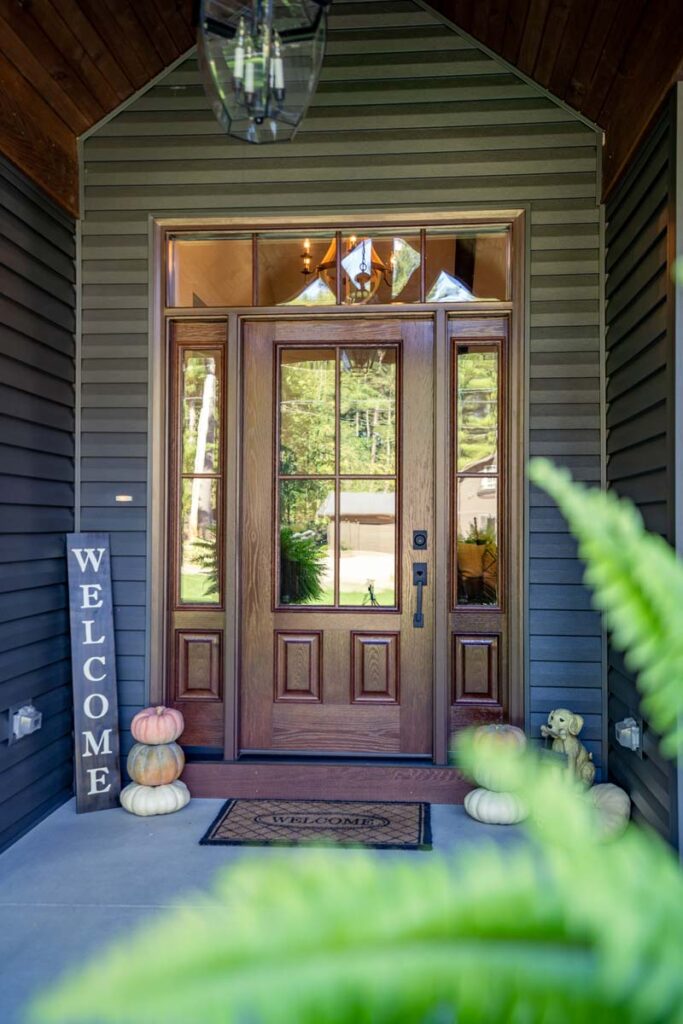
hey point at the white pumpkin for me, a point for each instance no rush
(148, 800)
(495, 808)
(490, 777)
(613, 806)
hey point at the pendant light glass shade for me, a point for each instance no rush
(260, 62)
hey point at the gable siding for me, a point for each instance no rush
(409, 116)
(37, 321)
(639, 440)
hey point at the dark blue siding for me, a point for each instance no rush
(37, 320)
(640, 400)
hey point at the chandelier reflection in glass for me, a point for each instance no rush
(260, 62)
(364, 272)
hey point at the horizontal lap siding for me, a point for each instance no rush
(37, 321)
(639, 396)
(410, 116)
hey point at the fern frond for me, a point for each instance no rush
(637, 583)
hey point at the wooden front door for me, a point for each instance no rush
(337, 530)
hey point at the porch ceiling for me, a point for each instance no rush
(65, 64)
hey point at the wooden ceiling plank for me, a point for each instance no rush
(489, 23)
(35, 140)
(116, 40)
(157, 31)
(181, 30)
(552, 40)
(650, 65)
(45, 48)
(627, 22)
(128, 24)
(643, 66)
(515, 23)
(573, 39)
(18, 53)
(461, 12)
(118, 85)
(533, 36)
(590, 50)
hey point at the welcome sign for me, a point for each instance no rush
(98, 774)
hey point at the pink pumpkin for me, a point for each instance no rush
(157, 725)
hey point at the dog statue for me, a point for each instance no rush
(564, 727)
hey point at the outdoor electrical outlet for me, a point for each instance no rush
(24, 720)
(629, 734)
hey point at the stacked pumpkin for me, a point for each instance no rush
(155, 763)
(491, 803)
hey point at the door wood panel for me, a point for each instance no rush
(375, 661)
(199, 665)
(298, 665)
(355, 706)
(476, 669)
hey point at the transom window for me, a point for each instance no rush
(327, 267)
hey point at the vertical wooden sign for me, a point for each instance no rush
(96, 726)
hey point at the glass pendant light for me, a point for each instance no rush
(260, 62)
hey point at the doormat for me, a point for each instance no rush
(382, 826)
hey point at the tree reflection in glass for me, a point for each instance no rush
(367, 413)
(200, 420)
(477, 410)
(307, 411)
(477, 491)
(200, 466)
(338, 414)
(199, 582)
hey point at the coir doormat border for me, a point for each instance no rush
(424, 841)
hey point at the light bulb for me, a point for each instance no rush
(238, 70)
(278, 71)
(249, 72)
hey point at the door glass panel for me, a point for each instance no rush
(477, 532)
(367, 543)
(199, 559)
(307, 411)
(307, 542)
(338, 410)
(477, 410)
(368, 410)
(200, 396)
(476, 460)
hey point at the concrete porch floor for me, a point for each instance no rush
(78, 878)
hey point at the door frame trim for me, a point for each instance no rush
(157, 511)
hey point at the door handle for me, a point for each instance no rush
(419, 581)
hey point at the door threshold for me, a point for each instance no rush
(331, 780)
(329, 757)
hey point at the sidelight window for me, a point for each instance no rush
(199, 403)
(477, 473)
